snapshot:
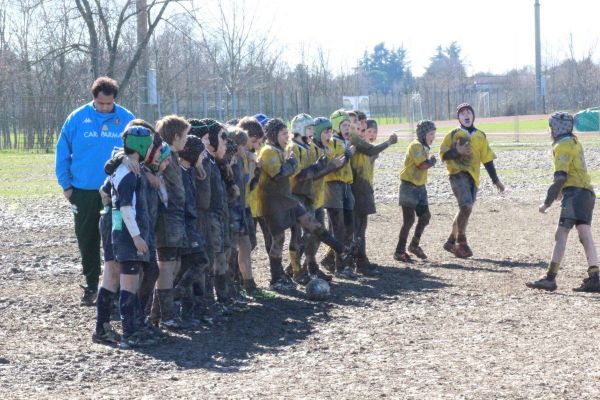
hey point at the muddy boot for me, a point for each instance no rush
(364, 267)
(299, 274)
(415, 249)
(154, 314)
(280, 282)
(543, 284)
(328, 261)
(450, 245)
(462, 249)
(167, 310)
(221, 288)
(314, 270)
(591, 284)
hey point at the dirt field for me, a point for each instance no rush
(444, 328)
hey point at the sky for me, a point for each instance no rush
(495, 35)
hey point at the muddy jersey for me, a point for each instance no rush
(318, 184)
(195, 241)
(567, 156)
(416, 154)
(170, 224)
(481, 152)
(306, 159)
(337, 147)
(274, 195)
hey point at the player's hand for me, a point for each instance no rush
(153, 181)
(432, 160)
(500, 187)
(140, 244)
(132, 165)
(393, 139)
(542, 208)
(68, 193)
(337, 161)
(559, 196)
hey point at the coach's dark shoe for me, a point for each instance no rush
(542, 284)
(589, 285)
(89, 297)
(417, 251)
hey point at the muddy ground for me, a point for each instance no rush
(442, 328)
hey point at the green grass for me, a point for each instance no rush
(27, 175)
(535, 125)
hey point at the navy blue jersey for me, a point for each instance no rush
(195, 241)
(128, 189)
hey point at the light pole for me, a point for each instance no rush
(539, 103)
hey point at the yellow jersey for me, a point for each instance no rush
(481, 153)
(416, 154)
(337, 147)
(567, 156)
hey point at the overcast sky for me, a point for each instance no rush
(496, 36)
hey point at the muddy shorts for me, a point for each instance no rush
(338, 195)
(105, 235)
(577, 207)
(169, 253)
(464, 188)
(412, 195)
(237, 220)
(130, 267)
(217, 235)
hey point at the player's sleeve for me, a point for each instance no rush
(562, 159)
(417, 153)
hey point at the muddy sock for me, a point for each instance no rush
(593, 273)
(127, 306)
(165, 300)
(139, 313)
(326, 237)
(462, 238)
(552, 271)
(451, 239)
(221, 287)
(103, 308)
(276, 268)
(249, 285)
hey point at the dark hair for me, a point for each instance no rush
(232, 122)
(252, 127)
(371, 123)
(272, 129)
(352, 114)
(106, 85)
(170, 127)
(201, 127)
(360, 115)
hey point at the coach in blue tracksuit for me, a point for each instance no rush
(86, 141)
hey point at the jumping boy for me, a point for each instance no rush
(413, 193)
(463, 150)
(572, 183)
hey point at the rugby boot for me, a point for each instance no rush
(590, 284)
(462, 250)
(402, 257)
(417, 251)
(543, 284)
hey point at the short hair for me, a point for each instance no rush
(170, 127)
(106, 85)
(352, 114)
(252, 127)
(360, 115)
(371, 123)
(238, 135)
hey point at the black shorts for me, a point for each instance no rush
(169, 253)
(577, 207)
(130, 267)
